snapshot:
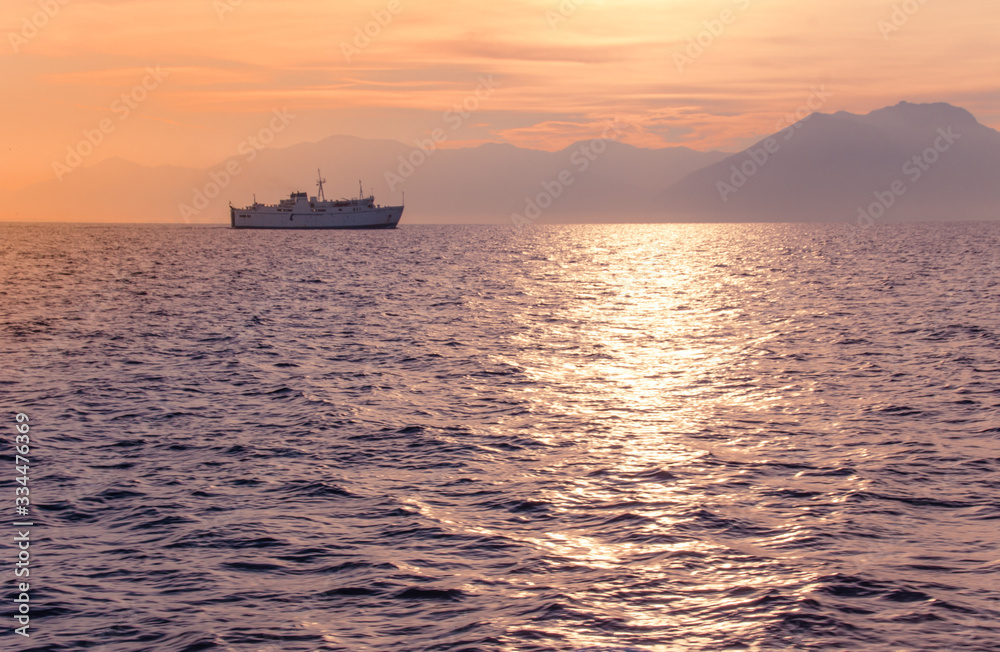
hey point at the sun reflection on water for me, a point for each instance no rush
(641, 353)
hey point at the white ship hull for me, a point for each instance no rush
(348, 217)
(300, 211)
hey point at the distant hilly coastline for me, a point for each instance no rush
(905, 162)
(475, 185)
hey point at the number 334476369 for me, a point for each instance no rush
(21, 442)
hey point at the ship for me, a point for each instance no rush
(302, 212)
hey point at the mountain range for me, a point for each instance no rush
(905, 162)
(927, 162)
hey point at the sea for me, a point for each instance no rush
(576, 438)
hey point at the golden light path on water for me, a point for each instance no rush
(661, 347)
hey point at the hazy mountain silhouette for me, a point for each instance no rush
(480, 184)
(827, 167)
(823, 168)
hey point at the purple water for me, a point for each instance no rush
(661, 438)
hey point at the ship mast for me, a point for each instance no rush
(320, 183)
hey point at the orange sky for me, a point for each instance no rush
(563, 69)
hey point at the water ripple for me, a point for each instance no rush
(632, 438)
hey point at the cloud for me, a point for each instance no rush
(559, 82)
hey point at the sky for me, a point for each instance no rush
(186, 82)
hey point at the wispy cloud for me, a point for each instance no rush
(606, 59)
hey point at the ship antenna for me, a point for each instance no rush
(320, 183)
(361, 190)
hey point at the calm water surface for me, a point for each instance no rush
(644, 438)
